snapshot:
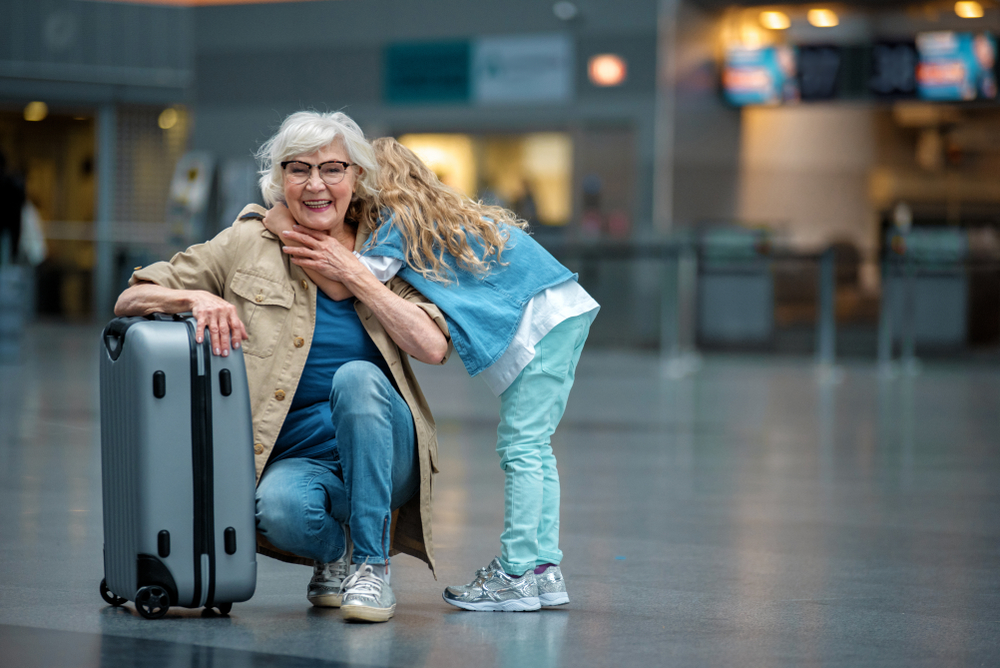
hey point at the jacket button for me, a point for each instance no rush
(280, 395)
(259, 298)
(258, 449)
(299, 342)
(305, 284)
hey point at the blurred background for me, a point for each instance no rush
(807, 178)
(797, 201)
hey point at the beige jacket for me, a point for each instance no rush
(277, 302)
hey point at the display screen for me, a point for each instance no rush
(760, 76)
(956, 66)
(894, 69)
(819, 71)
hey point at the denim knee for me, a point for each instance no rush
(359, 388)
(275, 511)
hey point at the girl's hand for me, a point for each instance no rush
(279, 219)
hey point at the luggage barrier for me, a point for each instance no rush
(684, 261)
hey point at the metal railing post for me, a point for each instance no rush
(826, 321)
(107, 139)
(908, 350)
(885, 317)
(669, 335)
(678, 317)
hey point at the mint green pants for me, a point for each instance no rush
(530, 410)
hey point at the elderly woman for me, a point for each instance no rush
(343, 435)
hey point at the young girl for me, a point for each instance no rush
(517, 317)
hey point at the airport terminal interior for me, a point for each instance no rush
(783, 445)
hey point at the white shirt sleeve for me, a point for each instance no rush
(383, 267)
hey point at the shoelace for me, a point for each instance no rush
(482, 575)
(332, 570)
(363, 582)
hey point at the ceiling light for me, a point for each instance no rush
(775, 20)
(168, 118)
(969, 10)
(607, 69)
(36, 111)
(822, 18)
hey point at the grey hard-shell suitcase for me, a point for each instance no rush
(177, 469)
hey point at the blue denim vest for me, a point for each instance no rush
(482, 312)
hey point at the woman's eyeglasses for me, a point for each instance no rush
(332, 172)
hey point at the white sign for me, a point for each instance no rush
(522, 69)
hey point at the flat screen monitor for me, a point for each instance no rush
(956, 66)
(760, 76)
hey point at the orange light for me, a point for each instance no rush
(607, 69)
(775, 20)
(969, 10)
(823, 18)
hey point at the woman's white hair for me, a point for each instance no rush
(307, 132)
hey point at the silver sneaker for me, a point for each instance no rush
(552, 587)
(494, 590)
(324, 588)
(367, 597)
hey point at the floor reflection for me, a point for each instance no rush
(748, 514)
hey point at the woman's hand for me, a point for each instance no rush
(322, 253)
(219, 316)
(407, 324)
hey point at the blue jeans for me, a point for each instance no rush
(530, 410)
(303, 503)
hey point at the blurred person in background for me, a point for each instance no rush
(517, 317)
(11, 203)
(344, 437)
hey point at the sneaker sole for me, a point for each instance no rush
(327, 600)
(364, 613)
(526, 604)
(554, 598)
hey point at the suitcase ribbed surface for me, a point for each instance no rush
(120, 433)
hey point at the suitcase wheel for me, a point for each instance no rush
(224, 608)
(152, 602)
(110, 596)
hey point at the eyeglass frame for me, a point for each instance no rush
(347, 166)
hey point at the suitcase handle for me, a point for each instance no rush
(114, 333)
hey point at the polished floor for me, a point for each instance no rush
(751, 514)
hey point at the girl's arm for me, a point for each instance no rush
(278, 220)
(409, 326)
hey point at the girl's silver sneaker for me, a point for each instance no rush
(494, 590)
(551, 587)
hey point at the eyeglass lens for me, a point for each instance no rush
(332, 173)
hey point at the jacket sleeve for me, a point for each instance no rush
(203, 266)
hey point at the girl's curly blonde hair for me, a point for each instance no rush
(434, 218)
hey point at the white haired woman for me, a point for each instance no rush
(343, 435)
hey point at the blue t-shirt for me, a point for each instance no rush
(338, 338)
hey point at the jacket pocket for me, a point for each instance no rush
(264, 305)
